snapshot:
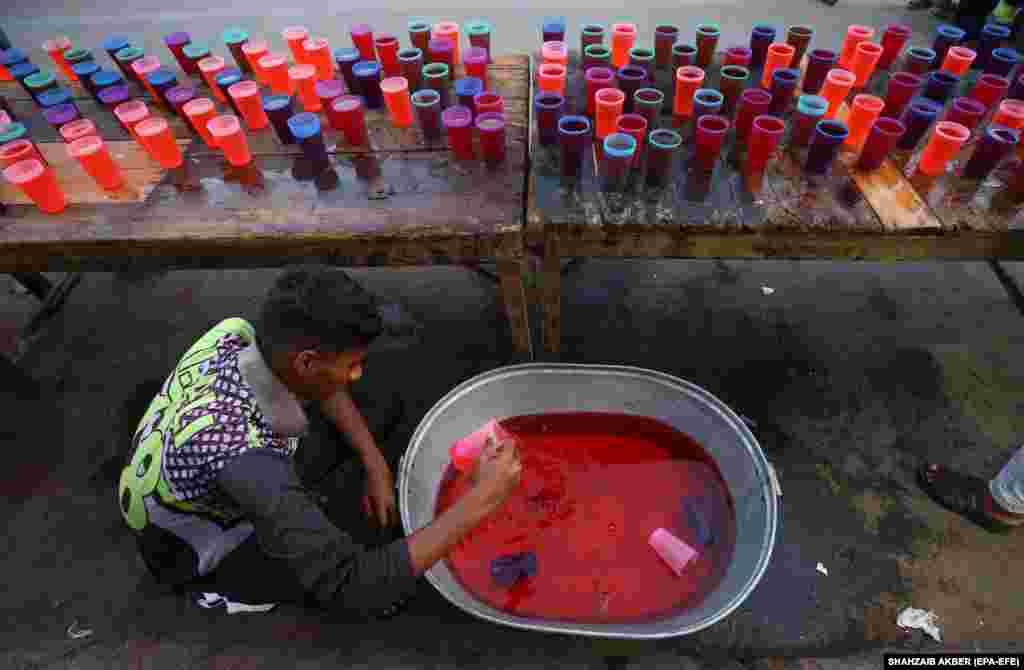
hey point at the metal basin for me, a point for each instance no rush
(540, 388)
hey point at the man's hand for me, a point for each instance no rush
(379, 502)
(498, 472)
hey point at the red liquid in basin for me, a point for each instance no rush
(594, 487)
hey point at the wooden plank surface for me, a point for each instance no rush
(403, 200)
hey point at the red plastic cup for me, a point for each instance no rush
(765, 134)
(623, 39)
(491, 127)
(144, 67)
(17, 151)
(254, 51)
(893, 40)
(488, 102)
(1010, 115)
(295, 36)
(249, 102)
(754, 102)
(990, 89)
(387, 51)
(348, 116)
(318, 54)
(328, 91)
(608, 103)
(835, 89)
(863, 114)
(303, 78)
(398, 100)
(475, 60)
(946, 141)
(854, 36)
(209, 68)
(38, 183)
(275, 67)
(77, 130)
(362, 39)
(597, 78)
(130, 114)
(635, 126)
(958, 60)
(458, 121)
(551, 78)
(555, 52)
(780, 55)
(688, 79)
(711, 132)
(55, 48)
(864, 62)
(902, 87)
(880, 143)
(227, 134)
(92, 154)
(967, 112)
(199, 112)
(449, 30)
(157, 139)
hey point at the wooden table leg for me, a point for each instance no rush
(511, 269)
(551, 290)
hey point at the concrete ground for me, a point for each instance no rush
(853, 373)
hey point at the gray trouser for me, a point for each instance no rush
(1008, 486)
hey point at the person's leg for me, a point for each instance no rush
(248, 575)
(997, 505)
(1007, 488)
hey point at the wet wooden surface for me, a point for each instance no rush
(850, 214)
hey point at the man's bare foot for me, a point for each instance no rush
(968, 496)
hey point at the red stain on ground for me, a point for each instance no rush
(26, 480)
(231, 663)
(297, 632)
(8, 338)
(184, 295)
(138, 651)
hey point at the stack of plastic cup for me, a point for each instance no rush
(1002, 62)
(555, 52)
(210, 68)
(419, 34)
(466, 90)
(865, 59)
(707, 41)
(1010, 114)
(991, 37)
(278, 109)
(739, 56)
(92, 154)
(488, 101)
(235, 39)
(551, 77)
(411, 64)
(441, 51)
(436, 76)
(479, 32)
(175, 43)
(631, 79)
(993, 146)
(227, 134)
(799, 37)
(731, 81)
(156, 138)
(37, 182)
(199, 113)
(573, 138)
(711, 131)
(623, 39)
(595, 79)
(619, 150)
(643, 59)
(362, 39)
(809, 110)
(648, 103)
(920, 60)
(305, 128)
(475, 61)
(17, 151)
(427, 103)
(754, 102)
(635, 126)
(662, 149)
(946, 141)
(55, 48)
(837, 86)
(864, 111)
(946, 36)
(387, 52)
(854, 36)
(665, 37)
(194, 53)
(328, 91)
(683, 55)
(275, 69)
(449, 30)
(608, 103)
(398, 101)
(765, 134)
(178, 97)
(893, 40)
(367, 75)
(761, 37)
(784, 83)
(881, 142)
(491, 126)
(918, 118)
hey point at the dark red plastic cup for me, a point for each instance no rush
(993, 146)
(574, 133)
(711, 132)
(819, 62)
(765, 134)
(635, 126)
(458, 121)
(881, 142)
(549, 107)
(990, 89)
(967, 112)
(903, 86)
(753, 103)
(893, 40)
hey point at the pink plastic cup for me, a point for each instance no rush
(676, 553)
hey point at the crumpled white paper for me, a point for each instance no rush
(822, 569)
(915, 618)
(767, 290)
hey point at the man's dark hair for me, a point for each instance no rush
(320, 308)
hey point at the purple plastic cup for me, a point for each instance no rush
(881, 142)
(819, 62)
(993, 146)
(1002, 62)
(573, 136)
(918, 117)
(940, 85)
(784, 84)
(61, 114)
(828, 137)
(631, 79)
(967, 112)
(761, 37)
(549, 107)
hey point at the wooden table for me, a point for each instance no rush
(849, 215)
(401, 202)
